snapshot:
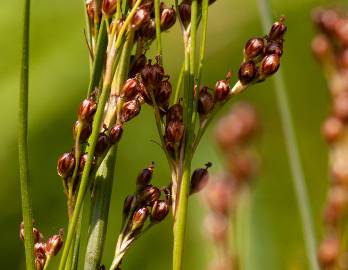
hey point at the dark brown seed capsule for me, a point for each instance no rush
(274, 47)
(140, 18)
(159, 211)
(53, 245)
(254, 47)
(168, 18)
(145, 176)
(329, 251)
(149, 195)
(148, 31)
(87, 110)
(222, 89)
(139, 218)
(269, 65)
(164, 91)
(116, 133)
(199, 179)
(83, 161)
(109, 7)
(206, 102)
(332, 129)
(278, 30)
(102, 145)
(152, 75)
(174, 132)
(86, 130)
(66, 164)
(138, 65)
(175, 113)
(247, 72)
(130, 110)
(127, 205)
(185, 12)
(130, 88)
(40, 249)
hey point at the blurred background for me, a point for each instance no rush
(58, 80)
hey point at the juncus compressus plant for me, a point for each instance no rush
(122, 80)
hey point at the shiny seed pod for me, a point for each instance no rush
(66, 164)
(164, 92)
(168, 18)
(247, 72)
(174, 132)
(140, 18)
(152, 75)
(206, 102)
(222, 89)
(53, 245)
(109, 7)
(127, 205)
(102, 145)
(148, 195)
(85, 132)
(185, 12)
(175, 113)
(130, 88)
(159, 211)
(87, 110)
(116, 133)
(83, 161)
(130, 110)
(278, 30)
(138, 65)
(269, 65)
(148, 31)
(332, 129)
(139, 218)
(144, 178)
(254, 47)
(274, 47)
(199, 179)
(40, 249)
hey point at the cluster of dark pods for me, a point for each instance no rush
(262, 55)
(233, 134)
(330, 46)
(43, 249)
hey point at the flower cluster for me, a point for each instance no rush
(233, 135)
(43, 251)
(330, 47)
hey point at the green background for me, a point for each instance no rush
(58, 81)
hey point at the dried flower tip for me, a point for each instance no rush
(329, 251)
(102, 145)
(222, 89)
(199, 179)
(90, 9)
(145, 176)
(86, 130)
(127, 205)
(140, 18)
(174, 132)
(87, 110)
(185, 12)
(130, 88)
(164, 92)
(278, 30)
(83, 161)
(247, 72)
(274, 47)
(139, 219)
(175, 113)
(253, 47)
(269, 65)
(66, 164)
(116, 133)
(332, 129)
(53, 245)
(109, 7)
(148, 31)
(159, 211)
(168, 18)
(130, 110)
(206, 102)
(149, 195)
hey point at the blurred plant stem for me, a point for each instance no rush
(158, 29)
(292, 151)
(23, 141)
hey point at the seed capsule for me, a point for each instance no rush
(66, 164)
(253, 47)
(168, 18)
(164, 92)
(87, 110)
(247, 72)
(53, 245)
(149, 195)
(90, 9)
(130, 88)
(127, 205)
(139, 219)
(206, 102)
(332, 129)
(199, 179)
(140, 18)
(159, 211)
(329, 251)
(152, 75)
(102, 144)
(40, 249)
(148, 31)
(222, 89)
(130, 110)
(274, 47)
(174, 132)
(116, 133)
(145, 176)
(85, 132)
(109, 7)
(278, 30)
(37, 235)
(175, 113)
(269, 65)
(185, 12)
(83, 161)
(138, 65)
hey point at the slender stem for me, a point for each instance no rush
(179, 85)
(23, 142)
(205, 5)
(158, 29)
(293, 152)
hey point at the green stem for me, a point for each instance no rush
(23, 142)
(179, 85)
(158, 29)
(205, 5)
(293, 152)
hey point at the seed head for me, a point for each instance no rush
(199, 179)
(148, 31)
(130, 110)
(247, 72)
(274, 47)
(185, 12)
(130, 88)
(148, 195)
(102, 145)
(159, 211)
(175, 113)
(66, 164)
(278, 30)
(164, 92)
(53, 245)
(269, 65)
(86, 130)
(140, 18)
(145, 176)
(222, 89)
(168, 17)
(253, 47)
(87, 110)
(174, 132)
(139, 218)
(109, 7)
(83, 161)
(116, 133)
(206, 102)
